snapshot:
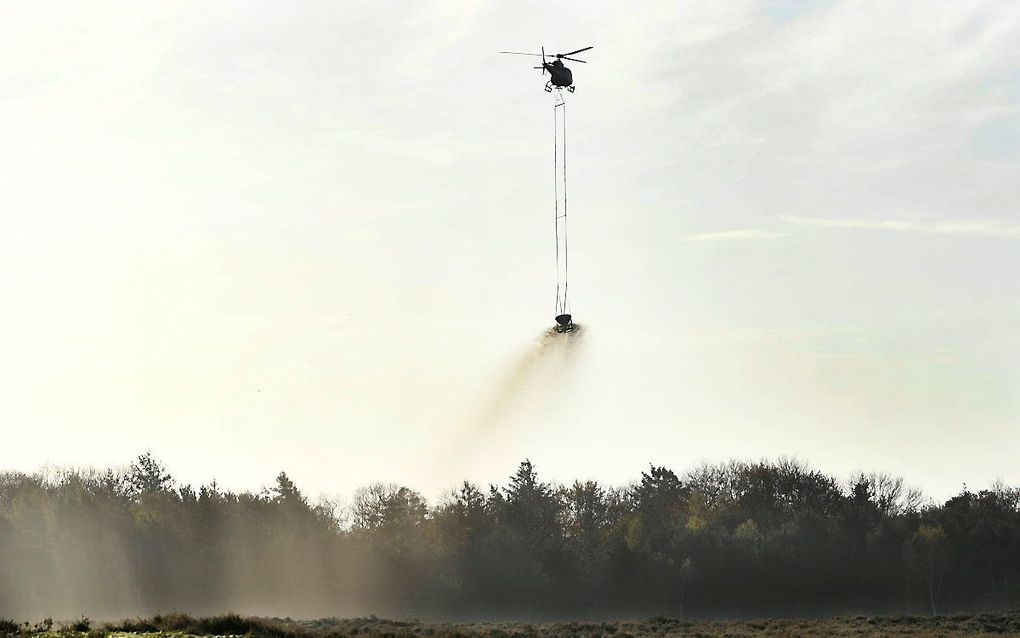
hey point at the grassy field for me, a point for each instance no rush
(181, 626)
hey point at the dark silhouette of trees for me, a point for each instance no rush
(750, 538)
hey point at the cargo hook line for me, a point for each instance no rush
(560, 207)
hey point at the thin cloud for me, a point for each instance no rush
(980, 229)
(748, 234)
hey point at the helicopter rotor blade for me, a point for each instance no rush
(563, 55)
(543, 59)
(519, 53)
(573, 59)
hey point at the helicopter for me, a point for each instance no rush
(559, 75)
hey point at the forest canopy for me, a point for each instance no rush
(763, 537)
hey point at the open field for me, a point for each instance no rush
(182, 626)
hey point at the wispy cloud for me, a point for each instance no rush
(747, 234)
(981, 229)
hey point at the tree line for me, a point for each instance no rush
(753, 538)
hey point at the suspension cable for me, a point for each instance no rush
(560, 213)
(566, 244)
(556, 194)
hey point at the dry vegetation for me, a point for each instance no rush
(182, 626)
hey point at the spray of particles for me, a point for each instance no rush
(540, 368)
(528, 384)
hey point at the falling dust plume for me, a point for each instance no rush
(532, 376)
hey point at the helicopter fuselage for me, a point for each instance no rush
(559, 74)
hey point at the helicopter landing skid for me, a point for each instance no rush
(549, 87)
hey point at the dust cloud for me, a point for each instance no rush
(532, 377)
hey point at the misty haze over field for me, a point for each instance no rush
(317, 242)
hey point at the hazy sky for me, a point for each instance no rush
(317, 237)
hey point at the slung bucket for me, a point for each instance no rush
(564, 323)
